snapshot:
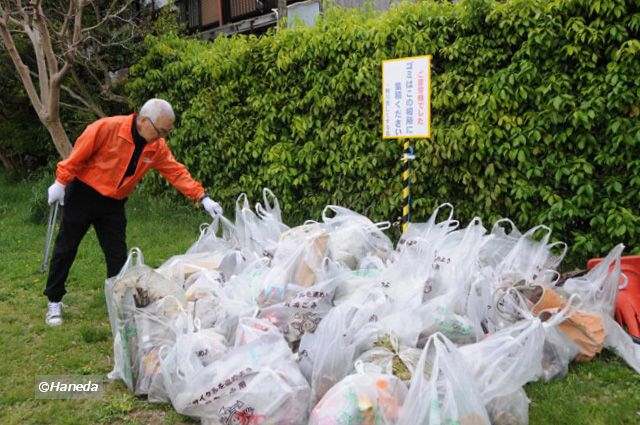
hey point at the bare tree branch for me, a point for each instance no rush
(108, 16)
(87, 105)
(120, 42)
(67, 19)
(87, 100)
(73, 46)
(116, 98)
(72, 106)
(41, 63)
(23, 70)
(69, 40)
(41, 23)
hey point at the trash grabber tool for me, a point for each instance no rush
(53, 216)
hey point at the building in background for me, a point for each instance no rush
(213, 17)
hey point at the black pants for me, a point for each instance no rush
(83, 207)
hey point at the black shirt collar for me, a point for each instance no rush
(137, 138)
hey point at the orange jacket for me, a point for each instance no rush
(101, 155)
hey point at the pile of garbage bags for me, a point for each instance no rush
(329, 323)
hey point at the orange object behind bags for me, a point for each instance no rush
(627, 309)
(102, 153)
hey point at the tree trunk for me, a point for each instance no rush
(59, 136)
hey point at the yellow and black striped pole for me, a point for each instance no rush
(407, 157)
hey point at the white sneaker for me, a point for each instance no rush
(54, 314)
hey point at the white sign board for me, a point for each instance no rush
(406, 103)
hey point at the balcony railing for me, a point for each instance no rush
(242, 9)
(201, 15)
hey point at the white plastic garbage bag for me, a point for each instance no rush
(462, 245)
(621, 343)
(203, 284)
(259, 231)
(506, 360)
(251, 328)
(599, 287)
(558, 350)
(135, 287)
(298, 258)
(557, 353)
(443, 389)
(414, 323)
(352, 236)
(233, 299)
(532, 258)
(529, 254)
(270, 213)
(510, 409)
(180, 268)
(501, 240)
(388, 356)
(449, 311)
(438, 318)
(218, 236)
(480, 308)
(247, 227)
(302, 311)
(204, 302)
(327, 355)
(455, 267)
(191, 349)
(255, 382)
(364, 398)
(247, 287)
(155, 329)
(428, 234)
(408, 282)
(354, 284)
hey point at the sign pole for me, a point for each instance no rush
(406, 113)
(407, 157)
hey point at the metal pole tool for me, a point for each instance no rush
(53, 218)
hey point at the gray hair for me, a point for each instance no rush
(155, 108)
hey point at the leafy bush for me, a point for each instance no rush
(535, 113)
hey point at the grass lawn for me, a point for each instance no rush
(605, 391)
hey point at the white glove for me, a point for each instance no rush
(56, 193)
(212, 207)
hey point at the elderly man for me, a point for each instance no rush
(108, 160)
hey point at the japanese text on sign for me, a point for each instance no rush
(406, 88)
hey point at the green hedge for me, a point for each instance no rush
(535, 114)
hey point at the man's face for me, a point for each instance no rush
(154, 130)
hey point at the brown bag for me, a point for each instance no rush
(584, 329)
(587, 331)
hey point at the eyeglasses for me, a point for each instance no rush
(161, 132)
